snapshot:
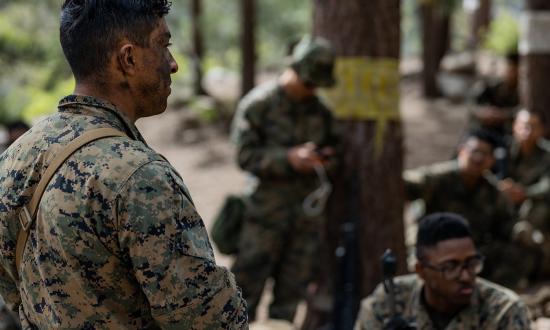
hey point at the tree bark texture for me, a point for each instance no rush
(198, 49)
(435, 43)
(248, 45)
(364, 30)
(535, 72)
(481, 21)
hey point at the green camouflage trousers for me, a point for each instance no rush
(278, 241)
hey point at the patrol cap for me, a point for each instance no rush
(313, 60)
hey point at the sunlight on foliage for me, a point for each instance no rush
(503, 34)
(44, 103)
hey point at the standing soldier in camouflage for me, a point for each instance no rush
(283, 131)
(527, 186)
(463, 186)
(117, 242)
(444, 293)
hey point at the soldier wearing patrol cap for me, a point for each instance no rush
(284, 135)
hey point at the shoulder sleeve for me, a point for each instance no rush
(417, 184)
(254, 154)
(516, 317)
(165, 239)
(372, 312)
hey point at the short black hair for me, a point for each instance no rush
(484, 135)
(437, 227)
(91, 29)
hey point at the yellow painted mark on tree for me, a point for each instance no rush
(367, 89)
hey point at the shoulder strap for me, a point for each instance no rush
(27, 215)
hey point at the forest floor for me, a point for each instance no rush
(432, 130)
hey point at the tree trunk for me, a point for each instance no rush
(480, 22)
(435, 43)
(367, 203)
(248, 45)
(198, 50)
(535, 61)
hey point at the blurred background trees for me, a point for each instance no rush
(34, 74)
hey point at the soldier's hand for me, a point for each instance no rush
(326, 153)
(304, 157)
(397, 322)
(513, 191)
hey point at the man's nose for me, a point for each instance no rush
(173, 65)
(465, 275)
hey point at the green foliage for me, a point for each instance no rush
(33, 69)
(503, 34)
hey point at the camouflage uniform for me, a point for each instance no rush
(533, 173)
(278, 240)
(492, 308)
(502, 97)
(117, 243)
(491, 218)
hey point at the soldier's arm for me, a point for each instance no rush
(166, 243)
(253, 153)
(417, 184)
(504, 218)
(516, 317)
(373, 311)
(540, 190)
(8, 291)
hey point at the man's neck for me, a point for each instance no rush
(293, 87)
(526, 149)
(439, 305)
(122, 102)
(470, 180)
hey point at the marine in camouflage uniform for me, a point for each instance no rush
(278, 239)
(445, 293)
(527, 185)
(443, 188)
(117, 242)
(493, 307)
(497, 101)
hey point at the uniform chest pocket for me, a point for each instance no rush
(293, 130)
(279, 131)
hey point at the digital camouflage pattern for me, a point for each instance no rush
(278, 240)
(490, 216)
(533, 173)
(117, 243)
(492, 308)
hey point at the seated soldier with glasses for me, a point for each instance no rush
(445, 293)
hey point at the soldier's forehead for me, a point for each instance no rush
(452, 249)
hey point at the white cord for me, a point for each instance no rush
(314, 203)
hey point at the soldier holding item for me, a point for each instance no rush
(285, 139)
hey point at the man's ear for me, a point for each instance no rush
(127, 59)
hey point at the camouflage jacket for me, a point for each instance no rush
(267, 123)
(442, 189)
(533, 171)
(492, 308)
(117, 242)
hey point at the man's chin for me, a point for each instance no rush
(464, 295)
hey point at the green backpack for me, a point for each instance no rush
(226, 229)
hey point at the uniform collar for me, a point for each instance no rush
(467, 318)
(103, 109)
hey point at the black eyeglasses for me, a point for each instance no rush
(451, 270)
